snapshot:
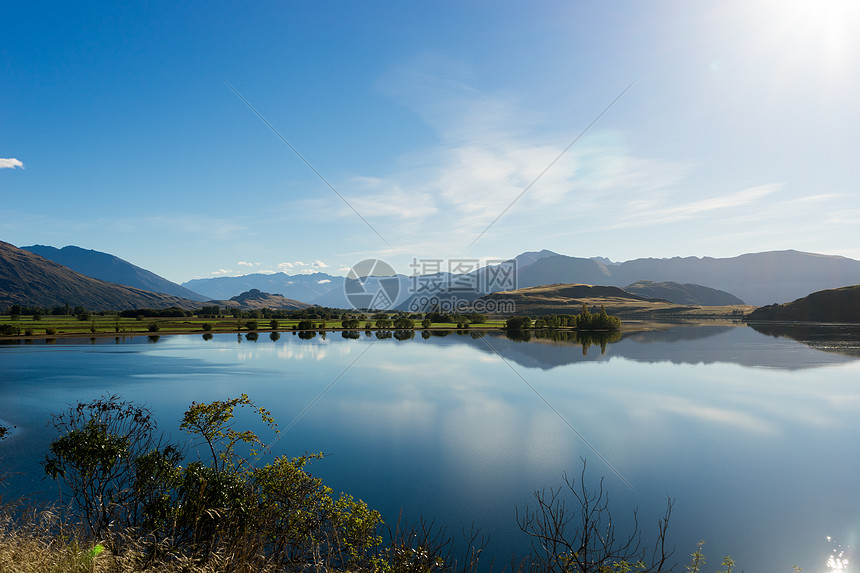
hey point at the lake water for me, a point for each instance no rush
(755, 435)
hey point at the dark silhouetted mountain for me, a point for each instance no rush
(28, 279)
(832, 305)
(683, 293)
(112, 269)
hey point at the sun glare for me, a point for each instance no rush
(820, 29)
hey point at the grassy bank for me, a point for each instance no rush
(56, 326)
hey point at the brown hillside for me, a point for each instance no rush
(30, 280)
(832, 305)
(568, 298)
(254, 299)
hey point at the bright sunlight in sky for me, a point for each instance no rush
(119, 130)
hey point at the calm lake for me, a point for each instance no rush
(756, 435)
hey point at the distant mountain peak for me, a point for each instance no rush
(256, 299)
(110, 268)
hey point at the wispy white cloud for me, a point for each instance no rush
(245, 264)
(10, 163)
(221, 272)
(665, 208)
(304, 268)
(323, 281)
(490, 151)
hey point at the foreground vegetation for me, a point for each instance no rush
(136, 502)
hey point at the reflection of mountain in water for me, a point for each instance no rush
(677, 344)
(838, 338)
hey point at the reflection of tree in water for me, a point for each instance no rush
(207, 336)
(439, 332)
(477, 334)
(586, 339)
(404, 334)
(274, 336)
(307, 334)
(152, 338)
(350, 334)
(383, 334)
(252, 336)
(518, 335)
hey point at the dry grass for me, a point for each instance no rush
(36, 541)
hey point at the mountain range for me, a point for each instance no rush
(46, 276)
(756, 279)
(28, 279)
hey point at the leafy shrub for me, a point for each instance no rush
(207, 326)
(10, 330)
(112, 464)
(153, 327)
(50, 331)
(251, 325)
(518, 323)
(121, 477)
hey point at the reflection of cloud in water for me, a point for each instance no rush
(686, 407)
(301, 352)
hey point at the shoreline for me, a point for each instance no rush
(629, 326)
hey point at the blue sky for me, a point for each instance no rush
(119, 132)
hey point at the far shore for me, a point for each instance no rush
(627, 326)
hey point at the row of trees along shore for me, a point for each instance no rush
(585, 320)
(310, 318)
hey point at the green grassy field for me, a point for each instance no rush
(51, 325)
